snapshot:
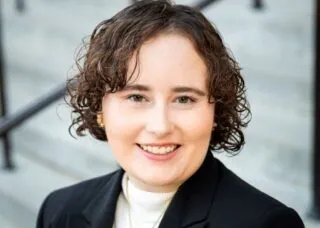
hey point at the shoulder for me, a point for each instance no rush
(81, 192)
(250, 206)
(71, 199)
(280, 217)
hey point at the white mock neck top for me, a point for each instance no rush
(146, 208)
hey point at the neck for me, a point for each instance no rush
(153, 187)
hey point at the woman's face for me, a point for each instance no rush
(159, 126)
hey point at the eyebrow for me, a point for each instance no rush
(180, 89)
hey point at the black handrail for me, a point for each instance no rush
(315, 211)
(9, 123)
(204, 4)
(8, 164)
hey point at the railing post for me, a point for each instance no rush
(13, 121)
(20, 5)
(258, 4)
(3, 108)
(315, 213)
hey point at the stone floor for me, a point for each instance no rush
(273, 46)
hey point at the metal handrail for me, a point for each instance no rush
(3, 106)
(315, 210)
(204, 4)
(11, 122)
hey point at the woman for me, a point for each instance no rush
(158, 84)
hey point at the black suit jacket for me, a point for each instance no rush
(213, 197)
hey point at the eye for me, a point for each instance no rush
(185, 100)
(136, 98)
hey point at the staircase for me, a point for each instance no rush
(274, 48)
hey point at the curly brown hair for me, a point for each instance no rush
(103, 67)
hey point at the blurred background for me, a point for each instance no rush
(274, 45)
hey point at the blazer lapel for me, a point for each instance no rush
(192, 202)
(99, 213)
(73, 220)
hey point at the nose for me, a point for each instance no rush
(158, 122)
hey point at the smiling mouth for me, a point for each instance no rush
(159, 150)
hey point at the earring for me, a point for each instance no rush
(100, 120)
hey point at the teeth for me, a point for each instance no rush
(159, 149)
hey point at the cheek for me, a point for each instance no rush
(120, 124)
(197, 124)
(198, 130)
(120, 127)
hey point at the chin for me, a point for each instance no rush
(163, 182)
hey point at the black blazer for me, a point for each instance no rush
(213, 197)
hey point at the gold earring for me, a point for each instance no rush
(100, 120)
